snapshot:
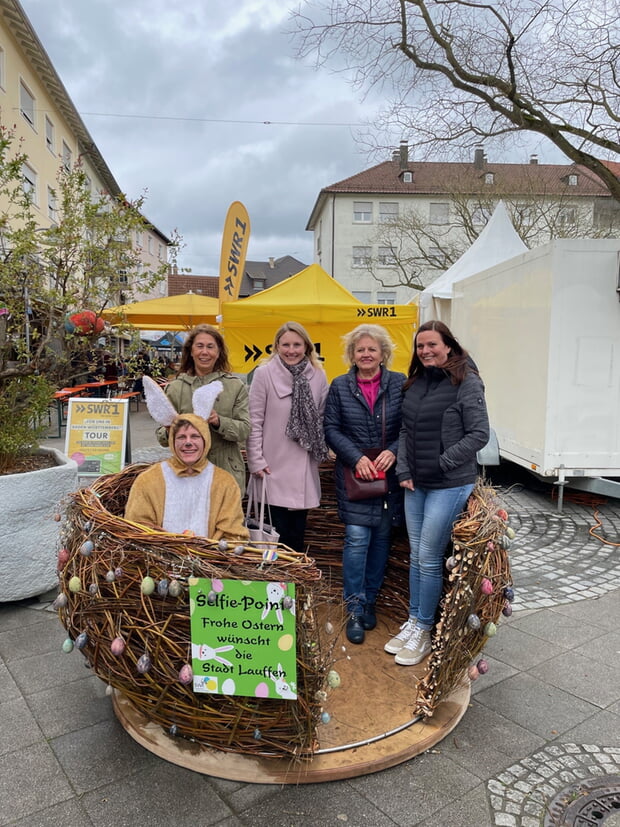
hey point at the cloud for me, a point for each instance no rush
(176, 98)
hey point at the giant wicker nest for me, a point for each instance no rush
(97, 608)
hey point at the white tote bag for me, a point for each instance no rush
(262, 534)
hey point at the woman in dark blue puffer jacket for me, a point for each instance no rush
(363, 412)
(444, 424)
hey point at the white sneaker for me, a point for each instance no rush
(395, 644)
(417, 648)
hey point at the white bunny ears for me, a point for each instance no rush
(163, 411)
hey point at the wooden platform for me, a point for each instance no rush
(371, 724)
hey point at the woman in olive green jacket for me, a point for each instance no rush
(205, 359)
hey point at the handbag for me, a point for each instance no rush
(359, 489)
(262, 534)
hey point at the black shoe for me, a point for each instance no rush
(369, 618)
(355, 629)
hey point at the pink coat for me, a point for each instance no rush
(294, 479)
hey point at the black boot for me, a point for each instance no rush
(355, 629)
(369, 618)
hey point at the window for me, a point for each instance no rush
(489, 177)
(51, 203)
(122, 277)
(67, 156)
(572, 180)
(29, 182)
(566, 216)
(362, 211)
(386, 257)
(149, 245)
(386, 297)
(388, 211)
(139, 238)
(259, 284)
(439, 213)
(49, 134)
(160, 251)
(436, 255)
(480, 216)
(364, 296)
(26, 103)
(407, 177)
(361, 256)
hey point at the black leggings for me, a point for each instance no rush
(290, 525)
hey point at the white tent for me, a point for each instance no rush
(498, 242)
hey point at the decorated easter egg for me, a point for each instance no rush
(63, 556)
(212, 598)
(451, 562)
(117, 647)
(81, 640)
(486, 587)
(222, 545)
(511, 533)
(329, 627)
(483, 666)
(110, 576)
(257, 734)
(502, 514)
(320, 695)
(61, 601)
(490, 546)
(333, 678)
(148, 585)
(87, 548)
(238, 550)
(144, 664)
(186, 674)
(509, 594)
(507, 609)
(109, 690)
(473, 673)
(325, 717)
(173, 729)
(88, 525)
(473, 621)
(93, 588)
(67, 645)
(287, 602)
(175, 588)
(75, 584)
(269, 555)
(162, 587)
(490, 629)
(118, 572)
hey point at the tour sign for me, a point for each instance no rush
(243, 638)
(96, 435)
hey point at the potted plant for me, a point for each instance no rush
(54, 282)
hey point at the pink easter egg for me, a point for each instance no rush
(262, 690)
(218, 586)
(486, 587)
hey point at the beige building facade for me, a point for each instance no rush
(395, 227)
(35, 104)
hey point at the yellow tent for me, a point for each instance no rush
(324, 307)
(169, 313)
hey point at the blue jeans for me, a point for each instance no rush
(364, 556)
(430, 514)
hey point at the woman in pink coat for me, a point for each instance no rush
(286, 442)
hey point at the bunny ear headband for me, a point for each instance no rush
(163, 411)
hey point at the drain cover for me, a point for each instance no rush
(586, 803)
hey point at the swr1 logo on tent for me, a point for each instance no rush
(253, 352)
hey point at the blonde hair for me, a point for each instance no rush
(374, 331)
(295, 327)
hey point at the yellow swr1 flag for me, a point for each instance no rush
(234, 250)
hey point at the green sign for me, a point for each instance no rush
(243, 638)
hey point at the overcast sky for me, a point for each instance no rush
(175, 95)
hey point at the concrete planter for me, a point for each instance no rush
(27, 527)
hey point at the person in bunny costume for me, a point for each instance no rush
(187, 493)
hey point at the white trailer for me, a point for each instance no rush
(544, 329)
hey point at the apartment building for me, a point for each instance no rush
(391, 229)
(36, 105)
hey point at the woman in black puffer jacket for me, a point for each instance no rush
(362, 412)
(444, 424)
